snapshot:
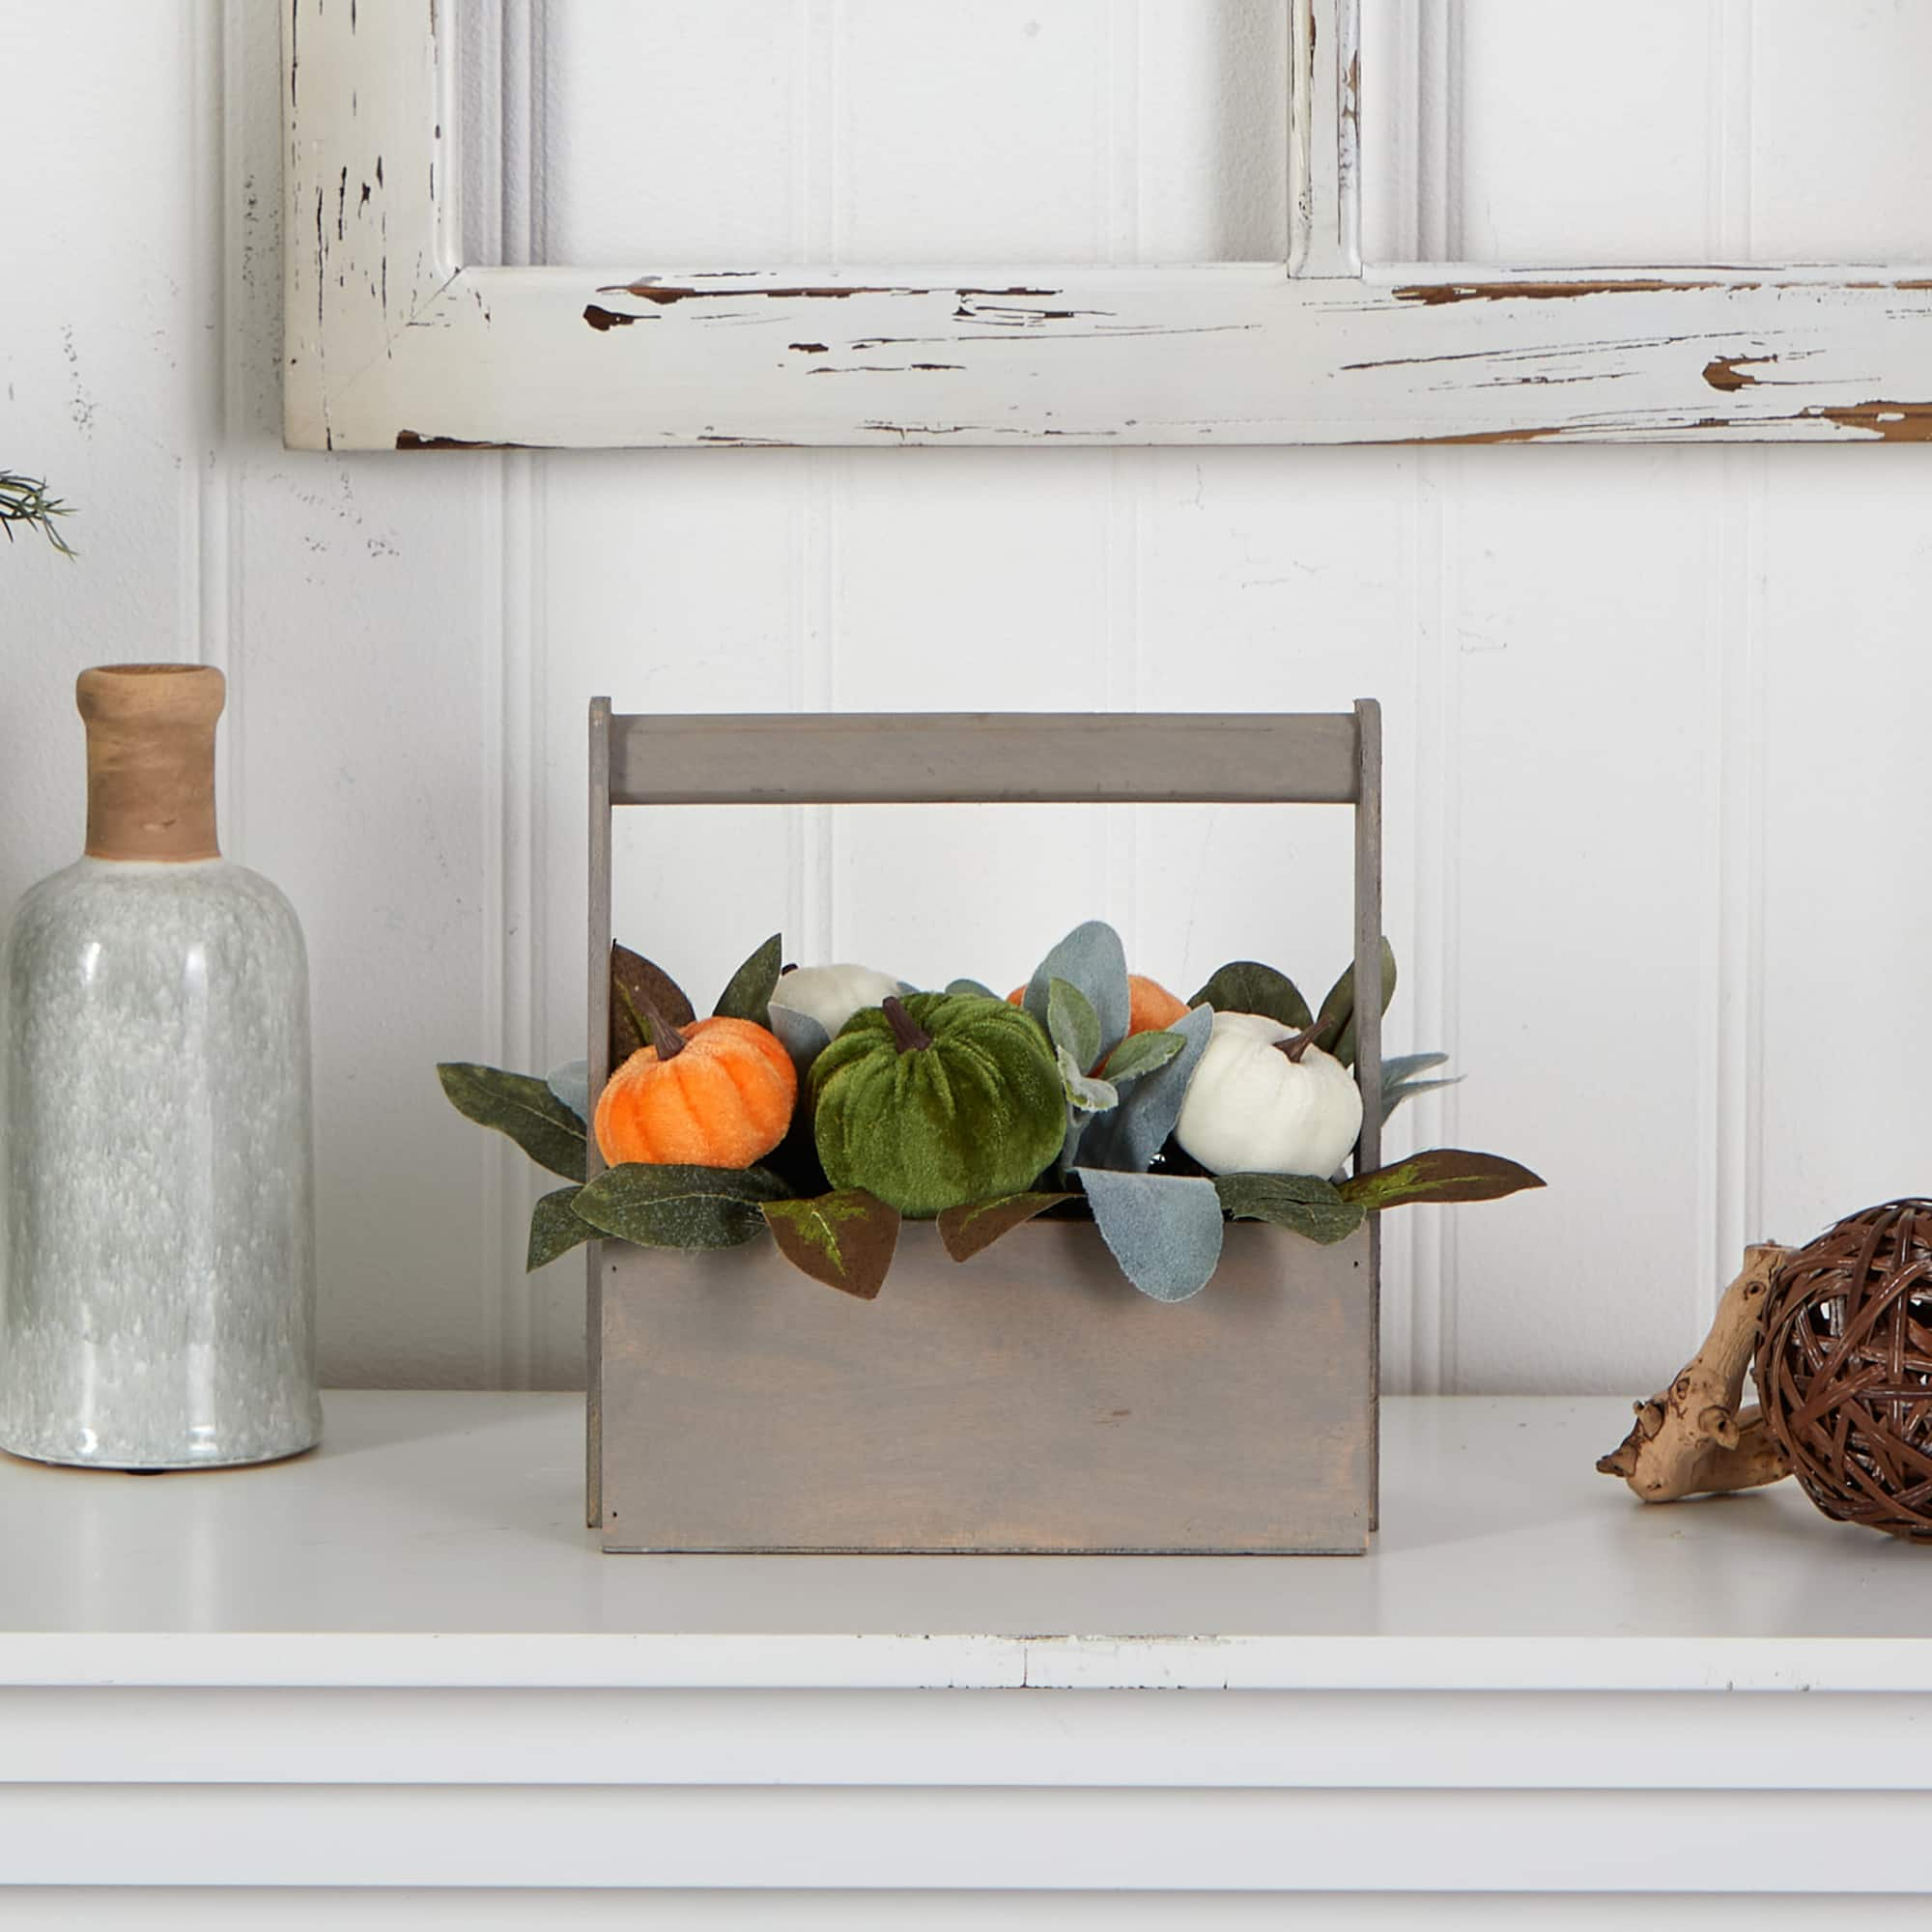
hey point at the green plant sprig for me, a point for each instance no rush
(24, 500)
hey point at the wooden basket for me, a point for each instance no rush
(1028, 1401)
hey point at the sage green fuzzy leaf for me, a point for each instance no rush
(1399, 1082)
(523, 1108)
(1336, 1031)
(1092, 958)
(1247, 987)
(1141, 1053)
(1088, 1099)
(1127, 1139)
(556, 1228)
(1401, 1068)
(1310, 1207)
(970, 987)
(680, 1206)
(1085, 1095)
(973, 1229)
(634, 979)
(800, 1035)
(1164, 1229)
(844, 1238)
(1072, 1023)
(748, 995)
(571, 1084)
(1408, 1090)
(1443, 1174)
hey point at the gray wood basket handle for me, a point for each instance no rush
(987, 759)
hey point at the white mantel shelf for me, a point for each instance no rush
(410, 1635)
(437, 1541)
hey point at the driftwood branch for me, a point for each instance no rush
(1697, 1437)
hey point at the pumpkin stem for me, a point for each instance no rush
(908, 1036)
(1294, 1048)
(657, 1028)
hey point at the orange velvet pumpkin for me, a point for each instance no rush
(1151, 1007)
(722, 1097)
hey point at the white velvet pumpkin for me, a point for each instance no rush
(1250, 1109)
(832, 994)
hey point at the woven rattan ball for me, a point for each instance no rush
(1844, 1368)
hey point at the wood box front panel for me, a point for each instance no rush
(1027, 1400)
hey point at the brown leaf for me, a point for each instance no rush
(1443, 1174)
(635, 979)
(967, 1230)
(846, 1238)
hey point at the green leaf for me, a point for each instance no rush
(1399, 1083)
(748, 996)
(1398, 1067)
(1443, 1174)
(1092, 958)
(634, 979)
(525, 1109)
(556, 1228)
(24, 500)
(1164, 1229)
(1085, 1094)
(1336, 1030)
(571, 1084)
(1141, 1053)
(972, 988)
(971, 1229)
(800, 1035)
(1247, 987)
(680, 1206)
(1408, 1090)
(844, 1238)
(1072, 1023)
(1300, 1202)
(1127, 1139)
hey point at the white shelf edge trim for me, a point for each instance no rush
(881, 1663)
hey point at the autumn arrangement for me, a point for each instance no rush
(826, 1104)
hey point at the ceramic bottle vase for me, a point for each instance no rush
(156, 1299)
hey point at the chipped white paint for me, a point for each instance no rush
(392, 344)
(1325, 138)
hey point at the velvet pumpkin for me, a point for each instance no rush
(1151, 1007)
(1267, 1100)
(936, 1101)
(721, 1096)
(832, 994)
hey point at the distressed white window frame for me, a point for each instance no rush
(392, 344)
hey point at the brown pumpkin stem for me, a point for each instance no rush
(658, 1029)
(908, 1036)
(1294, 1048)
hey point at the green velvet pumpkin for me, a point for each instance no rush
(936, 1101)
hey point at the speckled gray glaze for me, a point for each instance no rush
(157, 1306)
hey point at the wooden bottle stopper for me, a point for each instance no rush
(150, 759)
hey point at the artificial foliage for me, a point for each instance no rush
(832, 1102)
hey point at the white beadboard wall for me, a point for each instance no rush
(1657, 828)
